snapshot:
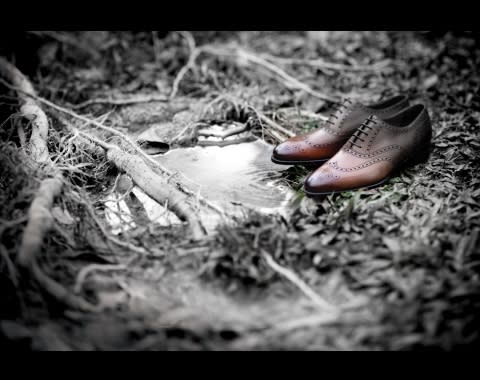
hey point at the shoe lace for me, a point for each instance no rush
(338, 110)
(362, 130)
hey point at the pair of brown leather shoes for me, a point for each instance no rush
(359, 145)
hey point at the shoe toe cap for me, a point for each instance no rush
(283, 150)
(320, 181)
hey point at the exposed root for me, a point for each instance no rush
(29, 109)
(128, 140)
(145, 178)
(151, 183)
(154, 164)
(83, 274)
(101, 126)
(59, 292)
(226, 142)
(178, 185)
(40, 220)
(89, 121)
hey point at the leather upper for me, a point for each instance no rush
(328, 138)
(374, 151)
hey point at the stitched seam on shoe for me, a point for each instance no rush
(334, 164)
(311, 144)
(373, 154)
(374, 136)
(398, 130)
(295, 148)
(331, 175)
(332, 132)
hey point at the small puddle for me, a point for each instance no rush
(235, 177)
(241, 173)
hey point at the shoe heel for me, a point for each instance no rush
(422, 156)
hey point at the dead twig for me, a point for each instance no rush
(273, 124)
(322, 64)
(274, 127)
(288, 80)
(122, 102)
(299, 283)
(194, 52)
(40, 218)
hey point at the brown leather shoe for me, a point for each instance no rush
(319, 145)
(372, 154)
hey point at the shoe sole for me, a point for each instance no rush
(368, 187)
(306, 163)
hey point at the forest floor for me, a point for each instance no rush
(391, 268)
